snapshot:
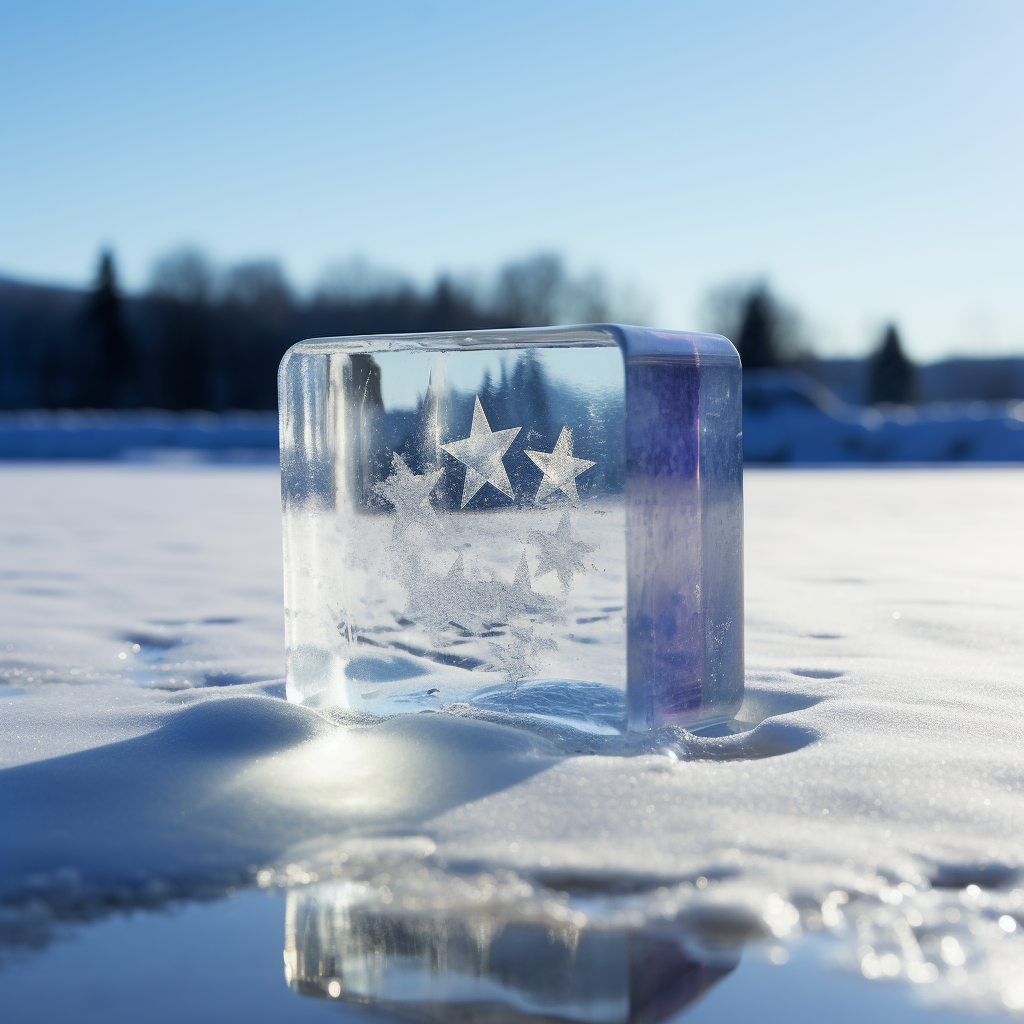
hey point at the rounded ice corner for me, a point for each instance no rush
(286, 360)
(677, 346)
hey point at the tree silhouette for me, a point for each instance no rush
(182, 291)
(206, 337)
(765, 331)
(891, 375)
(528, 291)
(758, 342)
(109, 361)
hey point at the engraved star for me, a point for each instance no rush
(409, 493)
(518, 598)
(560, 469)
(481, 454)
(437, 602)
(560, 552)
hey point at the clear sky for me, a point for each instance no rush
(866, 158)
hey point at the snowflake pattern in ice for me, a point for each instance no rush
(516, 657)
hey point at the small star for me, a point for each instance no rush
(560, 469)
(518, 598)
(438, 602)
(560, 552)
(409, 494)
(481, 454)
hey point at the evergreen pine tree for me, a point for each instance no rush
(110, 362)
(758, 341)
(890, 373)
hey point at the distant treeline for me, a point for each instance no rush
(769, 335)
(202, 339)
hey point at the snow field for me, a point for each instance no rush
(874, 796)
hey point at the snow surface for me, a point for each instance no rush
(875, 796)
(788, 418)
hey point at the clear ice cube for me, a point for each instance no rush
(544, 521)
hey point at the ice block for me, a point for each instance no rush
(541, 521)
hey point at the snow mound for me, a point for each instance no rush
(238, 727)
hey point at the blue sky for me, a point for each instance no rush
(867, 158)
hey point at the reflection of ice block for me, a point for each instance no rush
(540, 521)
(477, 966)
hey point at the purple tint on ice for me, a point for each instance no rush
(665, 649)
(684, 529)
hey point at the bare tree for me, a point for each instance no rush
(528, 292)
(355, 280)
(185, 276)
(258, 284)
(182, 287)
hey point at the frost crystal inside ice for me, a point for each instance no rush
(472, 515)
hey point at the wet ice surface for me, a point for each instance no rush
(222, 961)
(867, 814)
